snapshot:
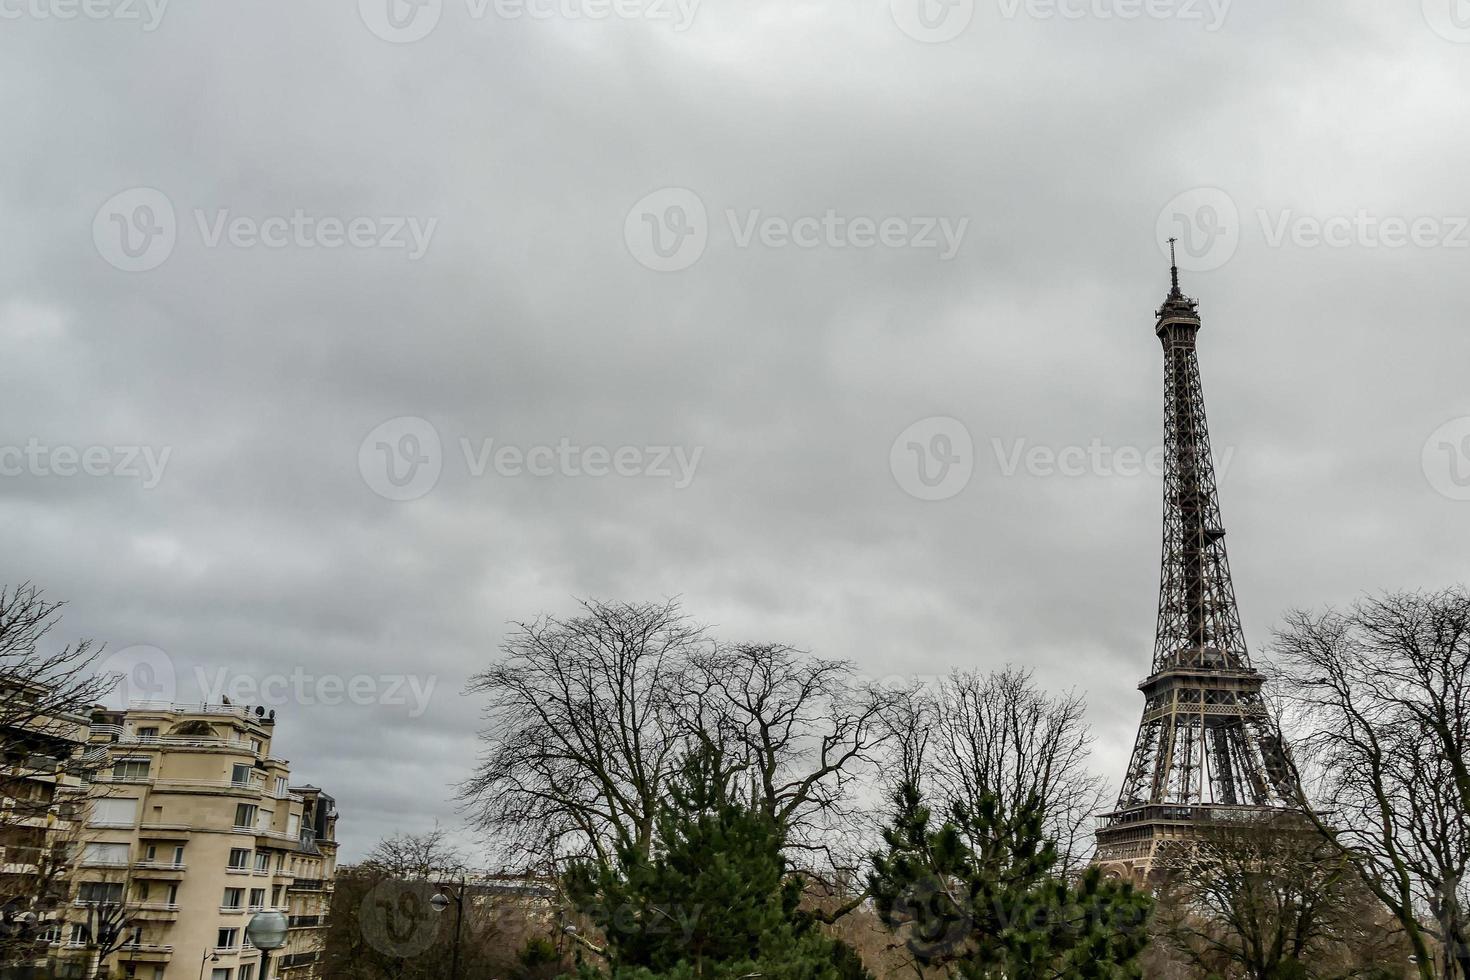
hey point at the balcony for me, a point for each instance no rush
(147, 952)
(154, 911)
(120, 736)
(253, 786)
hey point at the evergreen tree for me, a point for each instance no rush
(979, 896)
(715, 898)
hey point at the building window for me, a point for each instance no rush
(244, 815)
(219, 973)
(263, 861)
(240, 774)
(234, 898)
(179, 856)
(100, 892)
(109, 854)
(247, 972)
(283, 788)
(257, 745)
(130, 770)
(257, 899)
(276, 895)
(115, 812)
(147, 733)
(239, 859)
(227, 939)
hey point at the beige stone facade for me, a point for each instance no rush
(193, 825)
(39, 792)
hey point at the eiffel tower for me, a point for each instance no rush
(1206, 749)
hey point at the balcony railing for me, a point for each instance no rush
(228, 710)
(118, 735)
(158, 866)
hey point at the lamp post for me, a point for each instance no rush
(439, 903)
(267, 933)
(210, 956)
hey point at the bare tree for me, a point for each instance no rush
(41, 690)
(1269, 899)
(1377, 700)
(997, 733)
(588, 718)
(418, 857)
(47, 693)
(581, 730)
(799, 730)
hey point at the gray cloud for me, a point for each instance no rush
(529, 321)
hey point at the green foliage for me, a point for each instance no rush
(979, 896)
(715, 900)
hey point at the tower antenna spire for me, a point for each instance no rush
(1174, 265)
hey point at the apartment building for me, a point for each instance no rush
(40, 785)
(192, 826)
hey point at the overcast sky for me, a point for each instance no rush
(833, 317)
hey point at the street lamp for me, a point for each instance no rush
(440, 903)
(210, 956)
(266, 932)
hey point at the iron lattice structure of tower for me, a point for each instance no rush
(1206, 750)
